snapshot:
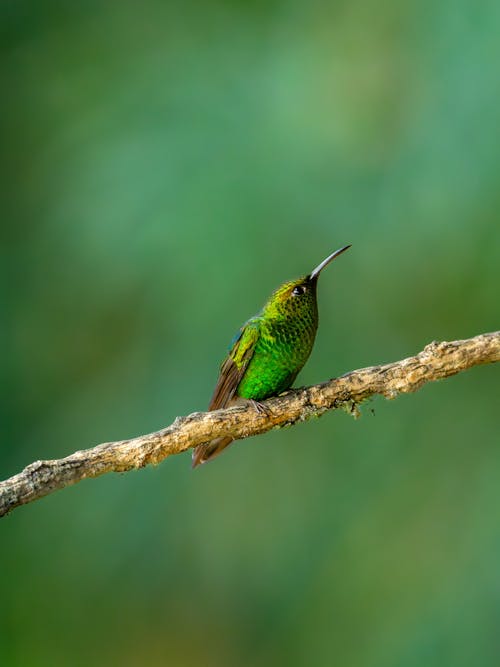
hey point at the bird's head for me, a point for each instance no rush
(297, 296)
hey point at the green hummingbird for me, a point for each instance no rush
(268, 351)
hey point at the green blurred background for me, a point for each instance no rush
(165, 166)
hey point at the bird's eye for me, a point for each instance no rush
(297, 291)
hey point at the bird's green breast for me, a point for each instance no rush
(283, 347)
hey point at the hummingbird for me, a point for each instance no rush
(268, 351)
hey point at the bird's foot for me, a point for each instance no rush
(260, 408)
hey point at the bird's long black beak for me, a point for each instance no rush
(326, 261)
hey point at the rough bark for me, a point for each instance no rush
(435, 362)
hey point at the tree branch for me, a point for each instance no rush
(435, 362)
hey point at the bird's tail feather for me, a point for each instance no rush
(210, 450)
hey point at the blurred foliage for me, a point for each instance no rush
(165, 166)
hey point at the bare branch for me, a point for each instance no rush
(435, 362)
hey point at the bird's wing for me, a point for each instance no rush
(235, 364)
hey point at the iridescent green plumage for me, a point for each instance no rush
(269, 351)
